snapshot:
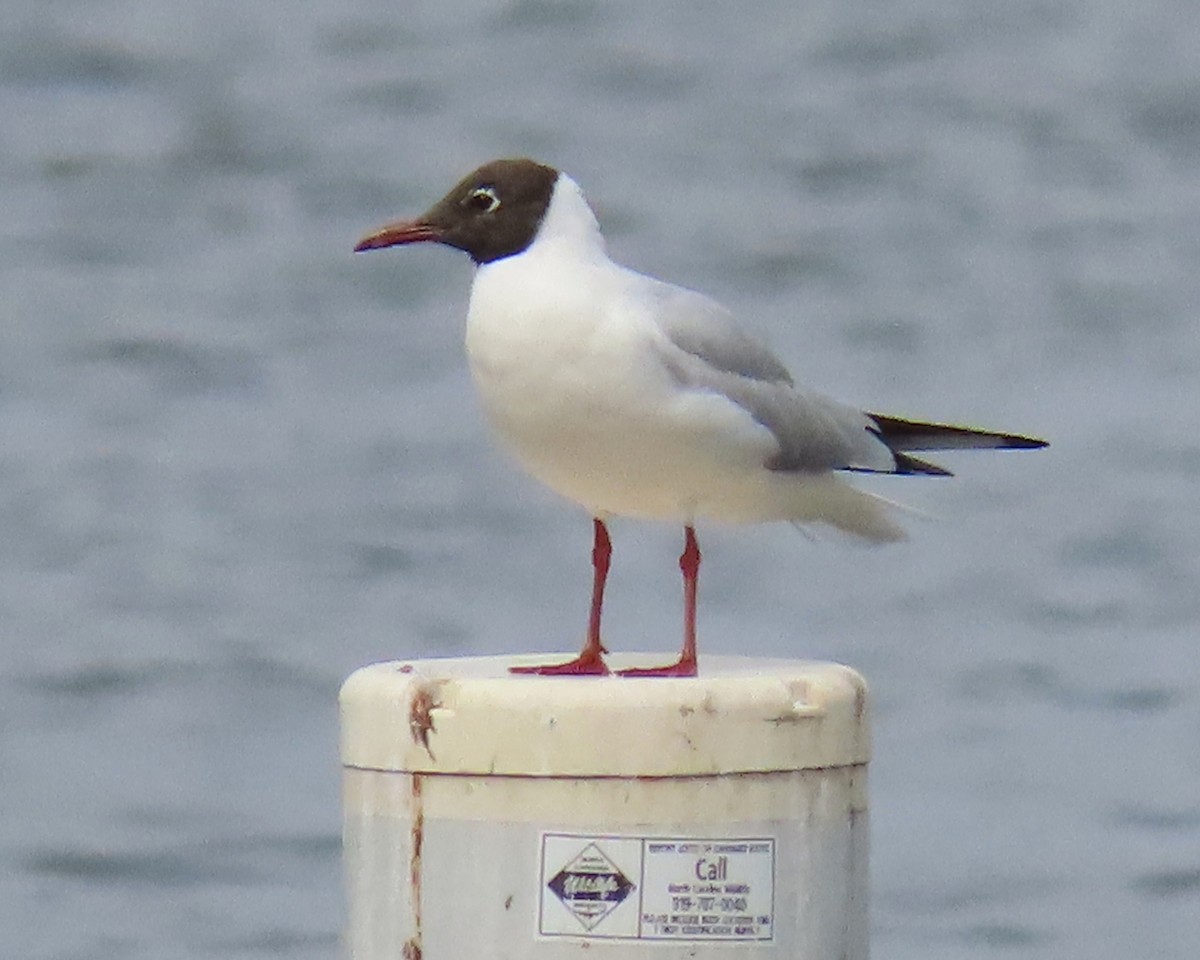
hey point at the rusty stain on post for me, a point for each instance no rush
(420, 714)
(412, 947)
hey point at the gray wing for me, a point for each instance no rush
(706, 350)
(703, 328)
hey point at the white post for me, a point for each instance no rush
(502, 817)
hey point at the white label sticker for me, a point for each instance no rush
(657, 888)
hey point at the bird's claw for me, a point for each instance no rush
(587, 664)
(681, 668)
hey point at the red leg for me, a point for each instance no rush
(689, 563)
(590, 661)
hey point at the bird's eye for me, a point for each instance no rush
(482, 200)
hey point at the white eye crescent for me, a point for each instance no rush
(482, 200)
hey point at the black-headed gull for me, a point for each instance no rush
(637, 398)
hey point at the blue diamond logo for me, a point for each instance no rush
(591, 886)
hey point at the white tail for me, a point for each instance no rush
(830, 500)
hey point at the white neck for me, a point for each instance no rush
(569, 224)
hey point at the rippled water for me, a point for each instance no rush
(236, 461)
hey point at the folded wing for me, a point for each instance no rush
(706, 350)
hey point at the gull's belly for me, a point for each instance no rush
(640, 448)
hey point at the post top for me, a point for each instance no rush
(471, 716)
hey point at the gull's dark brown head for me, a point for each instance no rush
(491, 213)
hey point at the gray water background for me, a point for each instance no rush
(237, 461)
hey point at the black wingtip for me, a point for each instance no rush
(901, 434)
(908, 464)
(1014, 442)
